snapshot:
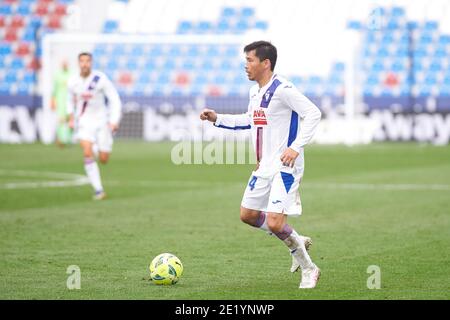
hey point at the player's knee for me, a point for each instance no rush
(103, 158)
(247, 216)
(275, 224)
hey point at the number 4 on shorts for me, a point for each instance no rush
(252, 183)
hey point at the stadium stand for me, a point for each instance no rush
(22, 24)
(402, 57)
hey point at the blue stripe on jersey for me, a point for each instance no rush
(269, 93)
(233, 128)
(293, 128)
(288, 180)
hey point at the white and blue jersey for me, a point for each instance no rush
(279, 116)
(93, 100)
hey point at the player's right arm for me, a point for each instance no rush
(227, 121)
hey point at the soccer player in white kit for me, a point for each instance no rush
(282, 121)
(95, 109)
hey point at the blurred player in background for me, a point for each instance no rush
(95, 107)
(278, 136)
(59, 105)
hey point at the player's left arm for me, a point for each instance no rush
(115, 104)
(310, 115)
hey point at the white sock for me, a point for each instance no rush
(262, 222)
(298, 250)
(93, 173)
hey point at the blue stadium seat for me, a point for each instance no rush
(174, 50)
(144, 78)
(193, 51)
(188, 64)
(30, 35)
(223, 26)
(24, 88)
(150, 64)
(228, 12)
(204, 27)
(435, 66)
(29, 77)
(355, 25)
(111, 26)
(200, 79)
(412, 25)
(393, 25)
(163, 78)
(118, 50)
(431, 25)
(213, 51)
(261, 25)
(185, 27)
(430, 79)
(11, 77)
(168, 65)
(207, 65)
(138, 50)
(247, 12)
(4, 88)
(383, 52)
(388, 38)
(377, 66)
(241, 26)
(112, 65)
(398, 66)
(219, 79)
(132, 65)
(99, 50)
(397, 12)
(17, 64)
(156, 51)
(5, 48)
(231, 51)
(372, 80)
(5, 9)
(446, 80)
(226, 65)
(23, 8)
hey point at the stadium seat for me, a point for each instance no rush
(185, 27)
(11, 77)
(5, 10)
(5, 49)
(60, 9)
(23, 49)
(41, 8)
(54, 21)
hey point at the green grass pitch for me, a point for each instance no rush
(385, 204)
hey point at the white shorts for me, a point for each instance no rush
(279, 194)
(100, 135)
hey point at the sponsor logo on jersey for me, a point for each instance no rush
(259, 117)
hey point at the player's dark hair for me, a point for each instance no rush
(88, 54)
(263, 50)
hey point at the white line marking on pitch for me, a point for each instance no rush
(69, 179)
